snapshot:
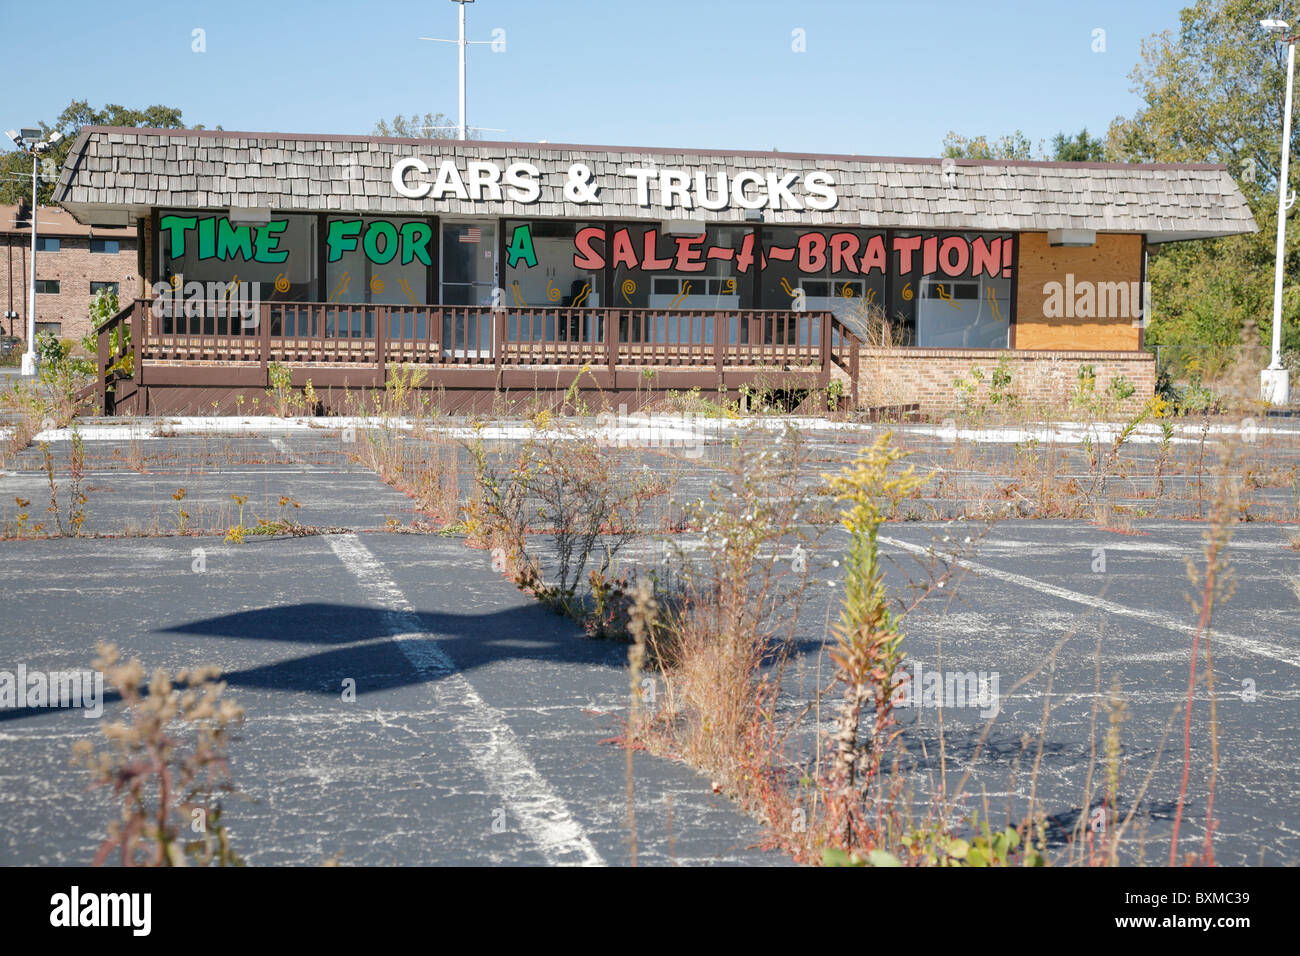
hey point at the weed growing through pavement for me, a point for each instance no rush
(182, 516)
(236, 533)
(21, 526)
(283, 522)
(868, 652)
(728, 615)
(642, 616)
(70, 524)
(1212, 583)
(166, 763)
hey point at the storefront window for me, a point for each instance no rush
(953, 290)
(376, 260)
(841, 270)
(680, 270)
(541, 270)
(666, 272)
(544, 271)
(279, 256)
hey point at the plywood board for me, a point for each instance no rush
(1116, 258)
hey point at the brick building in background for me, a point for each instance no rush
(72, 263)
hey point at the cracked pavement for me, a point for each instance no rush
(476, 732)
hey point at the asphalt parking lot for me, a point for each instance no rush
(476, 731)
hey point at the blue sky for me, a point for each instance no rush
(882, 78)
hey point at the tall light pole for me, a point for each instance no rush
(29, 140)
(460, 131)
(461, 128)
(1275, 381)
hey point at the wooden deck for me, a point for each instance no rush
(471, 354)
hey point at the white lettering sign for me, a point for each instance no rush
(656, 187)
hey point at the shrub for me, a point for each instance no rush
(283, 401)
(1120, 388)
(564, 484)
(1000, 385)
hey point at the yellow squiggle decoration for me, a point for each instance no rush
(341, 287)
(406, 290)
(866, 302)
(993, 301)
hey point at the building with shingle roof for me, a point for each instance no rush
(116, 176)
(929, 253)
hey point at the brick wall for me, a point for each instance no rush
(1040, 379)
(75, 267)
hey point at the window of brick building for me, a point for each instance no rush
(47, 286)
(109, 246)
(47, 244)
(97, 287)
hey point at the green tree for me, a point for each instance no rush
(1079, 148)
(1214, 91)
(415, 126)
(16, 166)
(1014, 146)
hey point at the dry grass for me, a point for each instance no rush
(722, 654)
(732, 613)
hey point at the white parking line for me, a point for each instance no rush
(1244, 645)
(493, 747)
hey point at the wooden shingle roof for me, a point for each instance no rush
(113, 175)
(53, 221)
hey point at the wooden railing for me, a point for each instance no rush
(471, 335)
(349, 335)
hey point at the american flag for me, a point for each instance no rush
(473, 234)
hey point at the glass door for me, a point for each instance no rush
(469, 277)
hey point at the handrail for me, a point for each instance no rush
(854, 347)
(103, 359)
